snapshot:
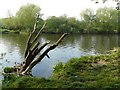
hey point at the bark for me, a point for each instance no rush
(29, 53)
(45, 53)
(39, 33)
(32, 55)
(29, 42)
(33, 48)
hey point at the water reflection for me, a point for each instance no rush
(72, 46)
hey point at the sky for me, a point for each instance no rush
(71, 8)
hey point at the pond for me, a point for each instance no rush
(75, 45)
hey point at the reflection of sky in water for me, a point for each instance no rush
(9, 54)
(72, 46)
(60, 54)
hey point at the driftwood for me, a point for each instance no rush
(33, 48)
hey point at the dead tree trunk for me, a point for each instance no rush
(33, 48)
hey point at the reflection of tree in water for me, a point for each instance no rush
(119, 40)
(100, 43)
(15, 41)
(113, 41)
(105, 43)
(86, 43)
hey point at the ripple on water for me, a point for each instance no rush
(73, 46)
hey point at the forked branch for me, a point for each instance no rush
(45, 53)
(29, 42)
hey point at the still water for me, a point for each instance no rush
(13, 45)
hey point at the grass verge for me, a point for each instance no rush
(101, 71)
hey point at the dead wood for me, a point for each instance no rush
(45, 53)
(33, 48)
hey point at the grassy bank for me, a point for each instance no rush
(99, 71)
(8, 31)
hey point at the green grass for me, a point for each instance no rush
(99, 71)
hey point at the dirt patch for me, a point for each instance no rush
(100, 63)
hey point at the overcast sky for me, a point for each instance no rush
(71, 8)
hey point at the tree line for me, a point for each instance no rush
(104, 20)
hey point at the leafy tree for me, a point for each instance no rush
(104, 20)
(24, 19)
(74, 25)
(88, 17)
(26, 16)
(0, 23)
(62, 24)
(107, 19)
(9, 22)
(56, 24)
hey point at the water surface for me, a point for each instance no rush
(13, 46)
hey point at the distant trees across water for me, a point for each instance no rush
(104, 20)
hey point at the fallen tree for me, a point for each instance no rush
(33, 48)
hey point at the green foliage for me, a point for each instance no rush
(58, 67)
(62, 24)
(105, 20)
(9, 69)
(8, 31)
(99, 71)
(24, 18)
(3, 30)
(8, 79)
(87, 17)
(0, 23)
(91, 71)
(31, 82)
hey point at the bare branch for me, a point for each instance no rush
(45, 53)
(29, 42)
(39, 33)
(36, 23)
(32, 55)
(61, 38)
(35, 46)
(28, 45)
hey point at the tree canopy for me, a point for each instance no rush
(24, 18)
(26, 15)
(104, 20)
(62, 24)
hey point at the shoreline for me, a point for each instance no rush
(6, 31)
(99, 71)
